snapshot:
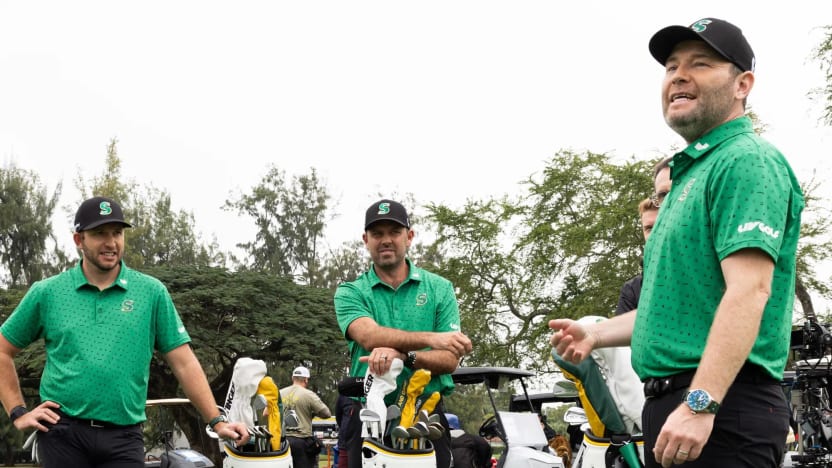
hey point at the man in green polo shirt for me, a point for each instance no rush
(100, 322)
(710, 337)
(397, 310)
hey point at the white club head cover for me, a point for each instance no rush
(379, 387)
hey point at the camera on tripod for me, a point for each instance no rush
(809, 386)
(811, 340)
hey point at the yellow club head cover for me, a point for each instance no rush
(411, 392)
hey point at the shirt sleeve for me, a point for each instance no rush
(24, 325)
(447, 308)
(750, 200)
(350, 304)
(170, 331)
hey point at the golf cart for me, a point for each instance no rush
(170, 447)
(518, 431)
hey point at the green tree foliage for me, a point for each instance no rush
(26, 210)
(823, 55)
(290, 219)
(564, 249)
(813, 249)
(160, 235)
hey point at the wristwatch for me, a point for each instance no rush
(410, 360)
(221, 418)
(17, 412)
(700, 401)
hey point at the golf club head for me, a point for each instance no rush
(400, 436)
(435, 432)
(368, 415)
(422, 416)
(393, 412)
(434, 418)
(422, 428)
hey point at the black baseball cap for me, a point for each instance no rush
(96, 211)
(386, 210)
(721, 35)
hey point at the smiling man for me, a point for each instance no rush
(710, 337)
(100, 322)
(398, 310)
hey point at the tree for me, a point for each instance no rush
(160, 235)
(26, 211)
(562, 250)
(823, 54)
(290, 220)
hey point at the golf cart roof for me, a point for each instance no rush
(489, 375)
(521, 402)
(168, 402)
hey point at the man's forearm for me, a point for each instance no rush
(10, 393)
(371, 335)
(437, 361)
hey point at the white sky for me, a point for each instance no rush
(446, 100)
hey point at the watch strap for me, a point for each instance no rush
(217, 420)
(17, 412)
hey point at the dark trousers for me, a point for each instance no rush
(75, 443)
(351, 432)
(305, 451)
(749, 430)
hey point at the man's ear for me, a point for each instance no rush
(745, 81)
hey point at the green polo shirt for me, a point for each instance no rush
(423, 302)
(731, 190)
(98, 343)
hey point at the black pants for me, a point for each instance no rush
(351, 432)
(75, 443)
(749, 430)
(305, 451)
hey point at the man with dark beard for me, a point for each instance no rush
(398, 310)
(100, 322)
(710, 337)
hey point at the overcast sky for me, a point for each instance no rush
(447, 100)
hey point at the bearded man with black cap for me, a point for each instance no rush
(710, 337)
(398, 310)
(100, 322)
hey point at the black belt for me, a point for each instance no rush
(749, 373)
(92, 422)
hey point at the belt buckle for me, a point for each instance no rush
(93, 424)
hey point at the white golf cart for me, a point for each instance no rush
(518, 433)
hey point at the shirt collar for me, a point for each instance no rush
(79, 280)
(703, 145)
(414, 274)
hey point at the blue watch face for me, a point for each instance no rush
(698, 400)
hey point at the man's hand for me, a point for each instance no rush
(683, 436)
(235, 431)
(380, 359)
(572, 341)
(33, 418)
(455, 342)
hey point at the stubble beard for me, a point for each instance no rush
(712, 109)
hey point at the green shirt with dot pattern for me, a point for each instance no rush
(423, 302)
(731, 190)
(98, 343)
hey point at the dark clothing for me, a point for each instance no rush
(749, 428)
(305, 451)
(342, 408)
(351, 430)
(471, 451)
(628, 298)
(75, 443)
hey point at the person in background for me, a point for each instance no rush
(648, 210)
(100, 322)
(398, 310)
(711, 334)
(304, 404)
